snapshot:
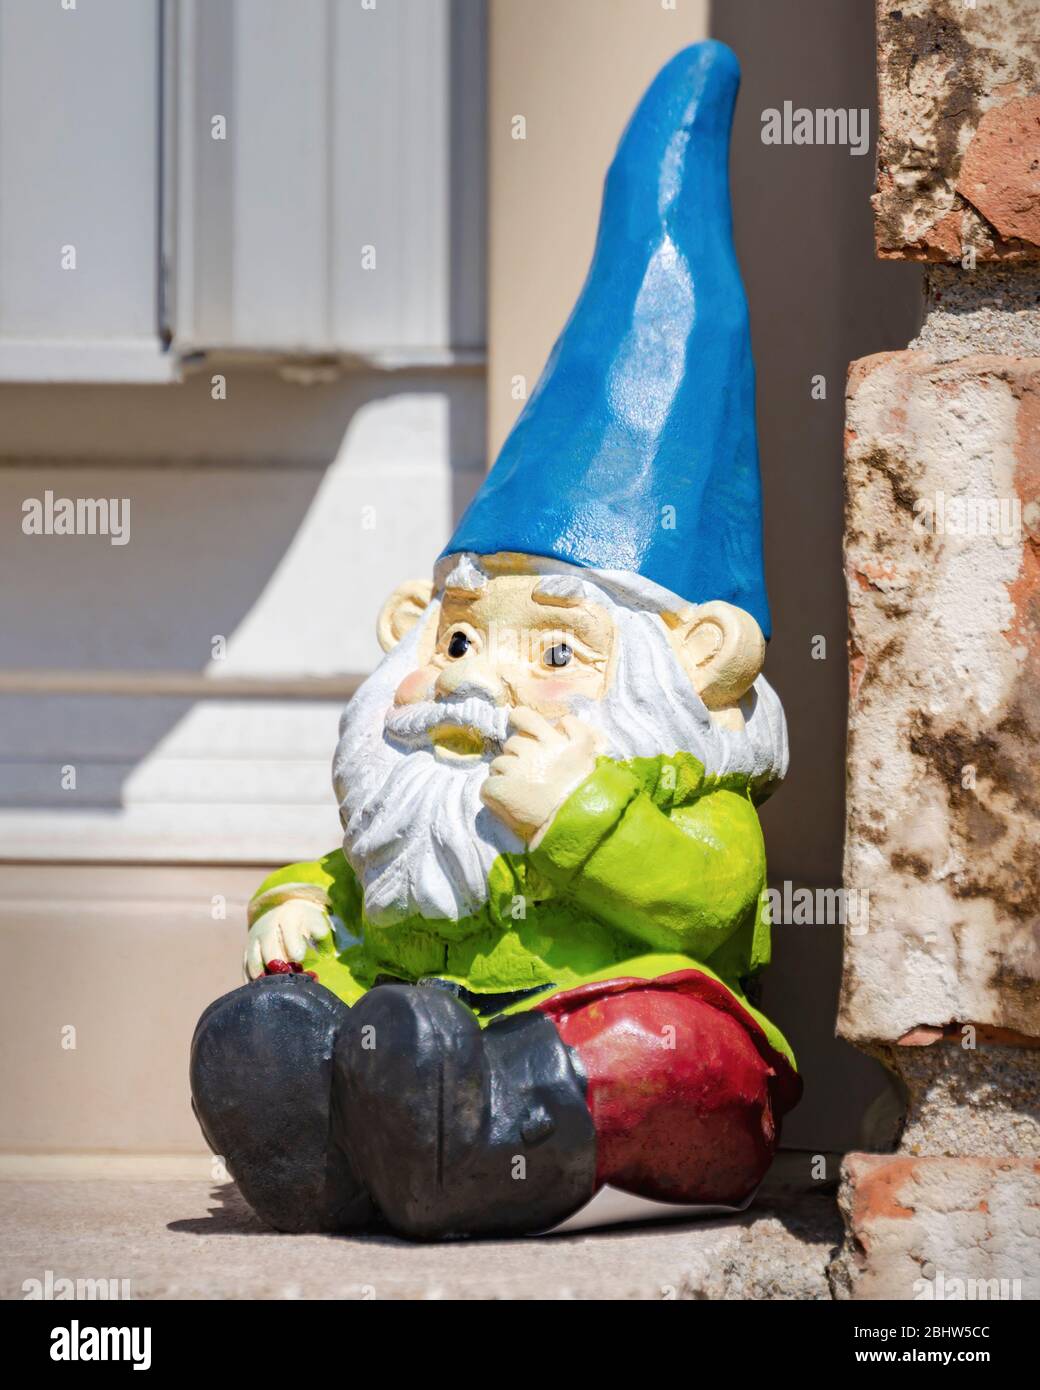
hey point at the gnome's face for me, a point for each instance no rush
(497, 697)
(508, 644)
(511, 657)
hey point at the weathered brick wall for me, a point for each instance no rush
(943, 819)
(942, 548)
(958, 106)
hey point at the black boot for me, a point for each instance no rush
(460, 1132)
(261, 1077)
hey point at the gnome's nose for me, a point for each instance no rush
(472, 680)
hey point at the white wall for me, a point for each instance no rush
(276, 520)
(274, 509)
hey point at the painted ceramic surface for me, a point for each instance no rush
(523, 979)
(632, 860)
(647, 400)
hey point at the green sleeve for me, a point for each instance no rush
(329, 880)
(681, 882)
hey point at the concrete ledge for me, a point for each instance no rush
(191, 1238)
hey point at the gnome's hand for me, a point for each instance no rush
(284, 933)
(540, 765)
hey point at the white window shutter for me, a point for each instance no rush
(342, 212)
(286, 177)
(79, 191)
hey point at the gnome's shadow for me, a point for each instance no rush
(807, 1213)
(230, 1217)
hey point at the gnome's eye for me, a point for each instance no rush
(560, 655)
(459, 644)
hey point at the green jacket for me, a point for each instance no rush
(648, 867)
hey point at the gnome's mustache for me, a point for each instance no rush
(412, 725)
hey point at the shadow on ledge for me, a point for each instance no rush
(802, 1203)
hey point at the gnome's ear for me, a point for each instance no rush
(723, 650)
(402, 611)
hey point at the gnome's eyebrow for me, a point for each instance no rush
(461, 595)
(557, 597)
(593, 627)
(557, 600)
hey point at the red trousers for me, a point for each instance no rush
(685, 1090)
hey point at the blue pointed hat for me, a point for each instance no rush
(637, 449)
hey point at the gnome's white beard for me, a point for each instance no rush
(417, 834)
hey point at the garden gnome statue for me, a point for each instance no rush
(523, 978)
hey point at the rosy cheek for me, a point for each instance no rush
(559, 691)
(551, 698)
(416, 686)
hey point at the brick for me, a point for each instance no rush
(941, 1228)
(943, 821)
(958, 138)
